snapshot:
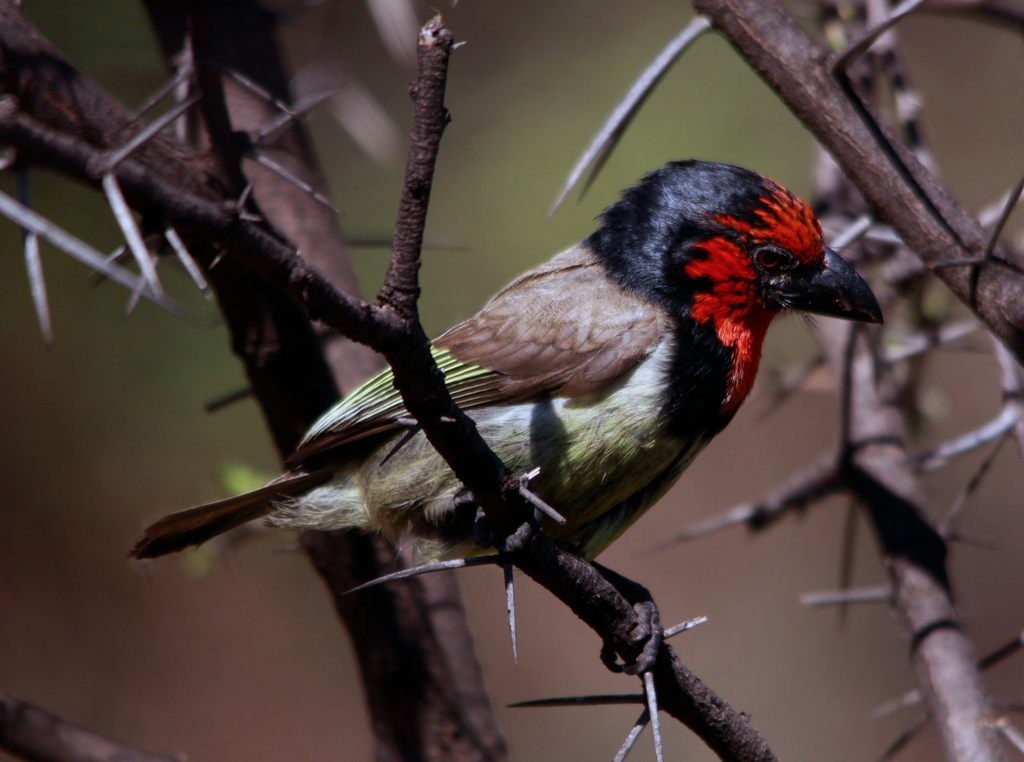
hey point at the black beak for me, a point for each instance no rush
(836, 290)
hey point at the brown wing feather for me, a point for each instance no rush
(564, 326)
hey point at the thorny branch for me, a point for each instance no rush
(163, 179)
(872, 462)
(417, 628)
(906, 195)
(34, 733)
(391, 327)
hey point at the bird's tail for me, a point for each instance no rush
(197, 525)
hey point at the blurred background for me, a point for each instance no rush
(242, 657)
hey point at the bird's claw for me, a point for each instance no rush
(639, 649)
(649, 635)
(485, 535)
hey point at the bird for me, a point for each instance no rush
(601, 374)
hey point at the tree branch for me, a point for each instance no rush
(200, 211)
(800, 72)
(418, 628)
(35, 734)
(875, 469)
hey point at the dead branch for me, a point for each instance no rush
(933, 225)
(34, 733)
(258, 257)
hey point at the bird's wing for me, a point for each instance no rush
(562, 328)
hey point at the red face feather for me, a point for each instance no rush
(731, 300)
(784, 220)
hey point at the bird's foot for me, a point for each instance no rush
(485, 535)
(638, 649)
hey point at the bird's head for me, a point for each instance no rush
(723, 250)
(723, 244)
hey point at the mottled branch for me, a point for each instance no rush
(33, 733)
(902, 192)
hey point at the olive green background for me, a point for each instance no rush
(243, 659)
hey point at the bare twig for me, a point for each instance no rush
(615, 125)
(34, 267)
(774, 44)
(876, 472)
(1008, 418)
(880, 594)
(924, 341)
(33, 733)
(810, 485)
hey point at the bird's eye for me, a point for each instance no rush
(773, 259)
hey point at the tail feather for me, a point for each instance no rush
(193, 526)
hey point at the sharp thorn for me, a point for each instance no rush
(988, 432)
(187, 262)
(689, 624)
(852, 232)
(542, 506)
(945, 527)
(147, 134)
(219, 403)
(270, 129)
(510, 608)
(132, 235)
(903, 739)
(865, 41)
(78, 249)
(434, 566)
(133, 299)
(243, 197)
(997, 231)
(1011, 734)
(34, 267)
(183, 73)
(882, 594)
(652, 709)
(602, 143)
(289, 177)
(1004, 651)
(251, 85)
(37, 286)
(910, 698)
(634, 733)
(603, 699)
